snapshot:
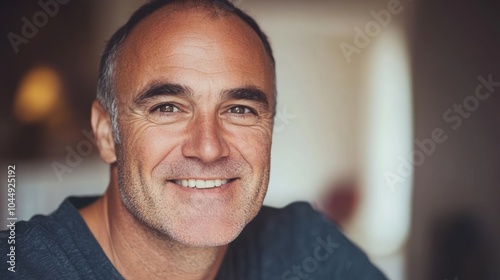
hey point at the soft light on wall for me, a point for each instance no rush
(38, 95)
(382, 223)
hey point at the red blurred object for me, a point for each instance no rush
(341, 202)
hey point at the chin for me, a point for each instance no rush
(207, 232)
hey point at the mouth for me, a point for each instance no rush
(201, 184)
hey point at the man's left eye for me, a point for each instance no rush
(240, 110)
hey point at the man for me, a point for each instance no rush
(184, 116)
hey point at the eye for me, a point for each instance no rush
(166, 113)
(241, 115)
(241, 110)
(166, 108)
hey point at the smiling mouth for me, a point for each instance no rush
(201, 184)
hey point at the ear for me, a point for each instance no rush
(103, 132)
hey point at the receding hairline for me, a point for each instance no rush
(157, 26)
(211, 10)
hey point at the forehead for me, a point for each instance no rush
(174, 45)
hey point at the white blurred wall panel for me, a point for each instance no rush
(39, 190)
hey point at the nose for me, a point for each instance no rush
(206, 141)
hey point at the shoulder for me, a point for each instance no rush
(297, 241)
(48, 247)
(297, 219)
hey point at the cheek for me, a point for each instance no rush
(150, 144)
(254, 145)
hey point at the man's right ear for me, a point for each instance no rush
(103, 132)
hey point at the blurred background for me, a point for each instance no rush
(388, 119)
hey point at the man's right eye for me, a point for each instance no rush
(166, 108)
(165, 113)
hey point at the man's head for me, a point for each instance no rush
(187, 98)
(106, 94)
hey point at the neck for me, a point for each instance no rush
(139, 252)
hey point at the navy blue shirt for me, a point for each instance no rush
(292, 243)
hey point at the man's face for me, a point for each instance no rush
(195, 99)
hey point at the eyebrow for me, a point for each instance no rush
(247, 93)
(162, 89)
(169, 89)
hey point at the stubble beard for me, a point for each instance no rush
(148, 207)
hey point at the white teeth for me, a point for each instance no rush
(201, 184)
(209, 184)
(192, 183)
